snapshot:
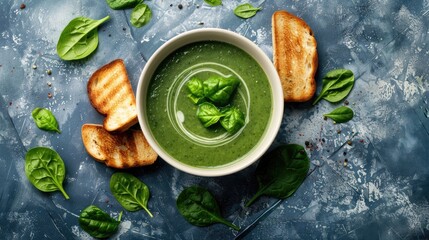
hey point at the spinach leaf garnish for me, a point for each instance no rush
(246, 10)
(337, 84)
(141, 15)
(232, 120)
(219, 89)
(122, 4)
(281, 172)
(45, 170)
(213, 2)
(97, 223)
(195, 86)
(208, 114)
(199, 207)
(341, 114)
(130, 192)
(45, 120)
(79, 38)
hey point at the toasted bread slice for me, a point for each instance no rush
(294, 56)
(119, 149)
(110, 92)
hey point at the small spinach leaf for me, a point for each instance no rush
(232, 120)
(45, 169)
(341, 114)
(213, 2)
(208, 114)
(45, 120)
(281, 172)
(219, 89)
(140, 15)
(195, 86)
(246, 10)
(97, 223)
(199, 207)
(337, 84)
(79, 38)
(130, 192)
(122, 4)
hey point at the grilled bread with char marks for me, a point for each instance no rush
(110, 92)
(117, 149)
(294, 56)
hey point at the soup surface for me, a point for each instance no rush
(172, 115)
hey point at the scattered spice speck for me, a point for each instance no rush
(22, 6)
(124, 29)
(307, 143)
(346, 102)
(49, 71)
(49, 84)
(339, 131)
(180, 6)
(49, 95)
(349, 142)
(345, 162)
(34, 66)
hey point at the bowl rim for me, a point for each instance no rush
(221, 35)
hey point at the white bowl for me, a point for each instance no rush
(213, 34)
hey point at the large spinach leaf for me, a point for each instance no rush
(281, 172)
(341, 114)
(130, 192)
(199, 207)
(97, 223)
(208, 114)
(79, 38)
(337, 84)
(232, 120)
(196, 87)
(45, 169)
(219, 89)
(45, 120)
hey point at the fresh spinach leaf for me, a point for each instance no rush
(97, 223)
(246, 10)
(130, 192)
(232, 120)
(213, 2)
(45, 169)
(140, 15)
(336, 85)
(281, 172)
(122, 4)
(195, 86)
(199, 207)
(341, 114)
(208, 114)
(79, 38)
(45, 120)
(219, 89)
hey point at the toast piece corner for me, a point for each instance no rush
(295, 56)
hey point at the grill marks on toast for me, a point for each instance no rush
(295, 56)
(118, 150)
(111, 94)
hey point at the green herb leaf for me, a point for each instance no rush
(219, 89)
(45, 169)
(140, 15)
(341, 114)
(246, 10)
(208, 114)
(195, 86)
(281, 172)
(337, 84)
(79, 38)
(199, 207)
(130, 192)
(233, 119)
(213, 2)
(97, 223)
(45, 120)
(122, 4)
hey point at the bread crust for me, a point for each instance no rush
(117, 149)
(295, 56)
(110, 93)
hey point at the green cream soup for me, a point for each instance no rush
(172, 115)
